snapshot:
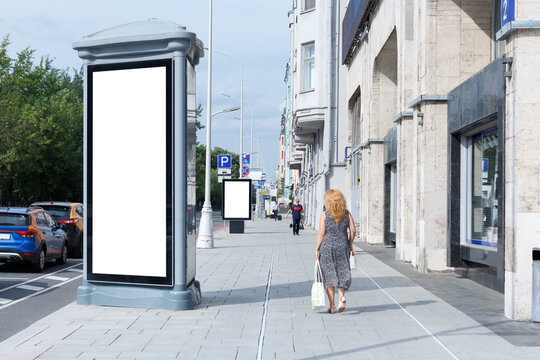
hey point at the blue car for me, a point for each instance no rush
(31, 235)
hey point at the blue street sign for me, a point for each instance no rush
(246, 159)
(507, 11)
(261, 182)
(224, 161)
(245, 170)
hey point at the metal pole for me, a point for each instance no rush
(206, 238)
(241, 120)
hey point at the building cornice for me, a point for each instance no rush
(512, 26)
(426, 97)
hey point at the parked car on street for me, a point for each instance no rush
(31, 235)
(70, 217)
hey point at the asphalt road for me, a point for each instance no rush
(26, 297)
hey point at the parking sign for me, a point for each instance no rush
(224, 161)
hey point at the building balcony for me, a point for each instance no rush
(303, 139)
(309, 120)
(295, 164)
(298, 155)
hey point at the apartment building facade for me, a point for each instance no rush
(318, 136)
(444, 161)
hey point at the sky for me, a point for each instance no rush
(253, 31)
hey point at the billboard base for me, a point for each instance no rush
(236, 227)
(139, 297)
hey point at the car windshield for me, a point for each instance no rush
(14, 219)
(58, 212)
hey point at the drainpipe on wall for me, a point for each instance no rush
(328, 122)
(336, 83)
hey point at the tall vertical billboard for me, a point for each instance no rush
(130, 173)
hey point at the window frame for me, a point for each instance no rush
(305, 5)
(466, 188)
(304, 67)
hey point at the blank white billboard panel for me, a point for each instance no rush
(236, 199)
(128, 190)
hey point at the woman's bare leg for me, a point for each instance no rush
(330, 292)
(341, 292)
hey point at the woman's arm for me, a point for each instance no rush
(352, 231)
(320, 235)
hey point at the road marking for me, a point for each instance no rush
(263, 323)
(30, 287)
(76, 270)
(412, 317)
(11, 279)
(40, 277)
(58, 278)
(39, 292)
(4, 301)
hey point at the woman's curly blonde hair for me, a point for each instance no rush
(335, 204)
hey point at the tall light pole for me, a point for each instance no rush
(251, 117)
(241, 107)
(206, 238)
(205, 227)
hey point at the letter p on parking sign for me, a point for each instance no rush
(224, 161)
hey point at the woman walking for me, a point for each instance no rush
(334, 247)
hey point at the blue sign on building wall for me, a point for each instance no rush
(507, 11)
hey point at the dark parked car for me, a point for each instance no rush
(31, 235)
(70, 217)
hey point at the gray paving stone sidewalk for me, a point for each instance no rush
(388, 316)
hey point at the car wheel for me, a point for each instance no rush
(63, 256)
(40, 264)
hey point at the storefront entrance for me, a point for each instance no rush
(476, 177)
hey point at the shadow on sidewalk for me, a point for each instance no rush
(364, 309)
(298, 290)
(454, 332)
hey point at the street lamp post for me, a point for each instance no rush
(206, 237)
(251, 119)
(241, 107)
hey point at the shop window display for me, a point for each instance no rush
(482, 204)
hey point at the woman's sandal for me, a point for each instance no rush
(342, 302)
(331, 310)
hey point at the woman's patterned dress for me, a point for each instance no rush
(335, 252)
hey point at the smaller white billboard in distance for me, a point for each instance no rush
(236, 201)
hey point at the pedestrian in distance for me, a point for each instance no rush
(276, 211)
(334, 247)
(296, 210)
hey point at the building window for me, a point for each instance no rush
(309, 4)
(479, 179)
(308, 55)
(356, 123)
(393, 198)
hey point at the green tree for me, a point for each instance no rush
(41, 130)
(215, 186)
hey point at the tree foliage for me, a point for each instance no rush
(41, 130)
(215, 186)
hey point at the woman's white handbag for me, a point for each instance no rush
(317, 290)
(352, 261)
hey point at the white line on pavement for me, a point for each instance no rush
(57, 278)
(30, 287)
(412, 317)
(39, 292)
(263, 324)
(41, 277)
(4, 301)
(76, 270)
(11, 279)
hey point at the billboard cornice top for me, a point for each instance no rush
(146, 31)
